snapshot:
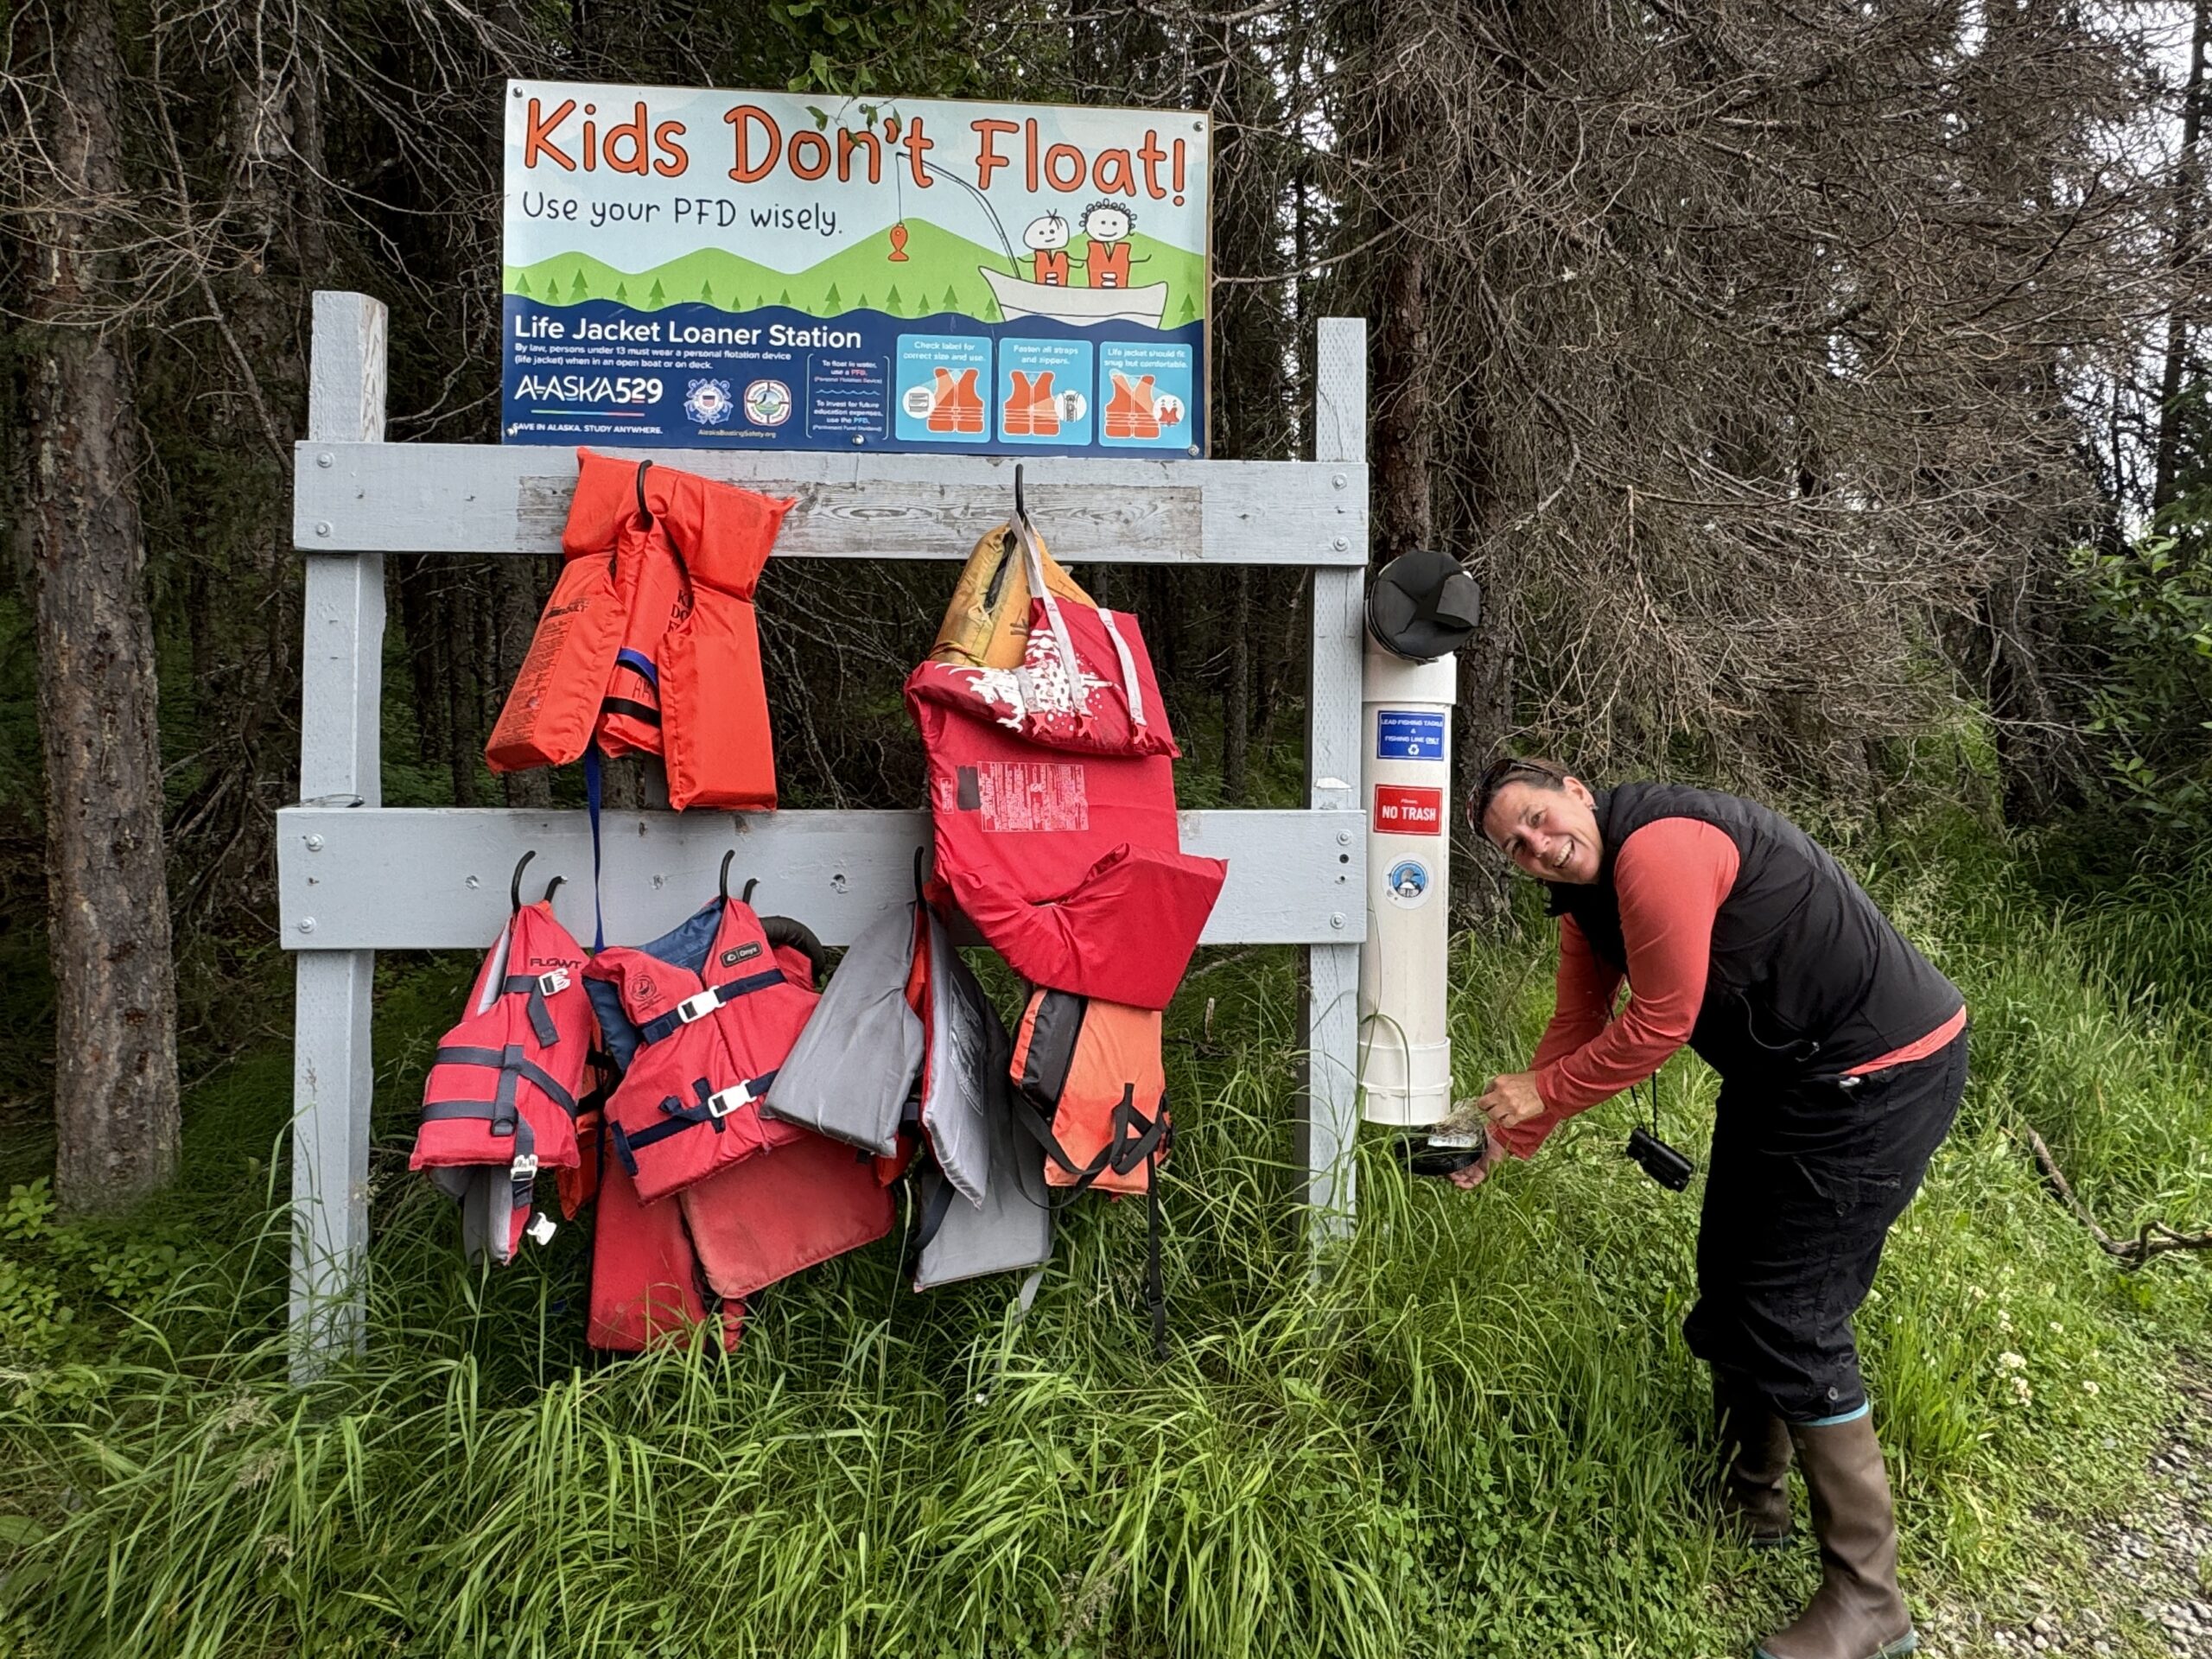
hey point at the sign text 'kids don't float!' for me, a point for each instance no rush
(759, 270)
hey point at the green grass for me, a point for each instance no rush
(1479, 1433)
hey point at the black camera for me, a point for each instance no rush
(1446, 1155)
(1658, 1160)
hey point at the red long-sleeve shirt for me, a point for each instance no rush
(1671, 876)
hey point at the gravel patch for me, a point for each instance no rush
(2152, 1569)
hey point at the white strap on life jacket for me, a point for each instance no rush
(1131, 690)
(1070, 664)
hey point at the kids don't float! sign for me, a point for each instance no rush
(759, 270)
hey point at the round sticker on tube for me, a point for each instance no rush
(1408, 881)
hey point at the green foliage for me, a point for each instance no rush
(2150, 605)
(1479, 1432)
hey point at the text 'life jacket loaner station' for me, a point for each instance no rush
(357, 878)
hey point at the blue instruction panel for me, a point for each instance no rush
(1408, 735)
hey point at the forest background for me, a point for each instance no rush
(1818, 392)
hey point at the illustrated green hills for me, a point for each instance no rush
(940, 273)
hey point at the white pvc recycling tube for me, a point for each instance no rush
(1405, 783)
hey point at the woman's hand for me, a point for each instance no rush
(1472, 1176)
(1511, 1099)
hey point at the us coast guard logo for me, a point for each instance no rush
(707, 402)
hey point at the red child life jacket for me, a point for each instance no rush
(647, 1288)
(707, 1046)
(501, 1098)
(649, 642)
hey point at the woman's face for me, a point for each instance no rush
(1552, 834)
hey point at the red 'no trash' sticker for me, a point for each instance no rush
(1402, 810)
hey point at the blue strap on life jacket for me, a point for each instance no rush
(591, 804)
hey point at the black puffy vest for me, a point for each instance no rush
(1808, 978)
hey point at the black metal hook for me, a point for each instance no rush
(514, 885)
(553, 886)
(721, 884)
(644, 511)
(746, 897)
(1021, 510)
(921, 854)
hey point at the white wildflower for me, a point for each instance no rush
(2012, 1362)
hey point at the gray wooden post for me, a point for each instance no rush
(341, 691)
(1329, 1016)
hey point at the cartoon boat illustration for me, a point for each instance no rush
(1079, 305)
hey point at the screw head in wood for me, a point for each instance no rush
(322, 526)
(326, 460)
(307, 924)
(1342, 543)
(1336, 919)
(314, 844)
(1338, 481)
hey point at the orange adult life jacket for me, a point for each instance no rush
(699, 1210)
(501, 1098)
(649, 642)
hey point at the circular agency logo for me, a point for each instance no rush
(1408, 882)
(767, 402)
(707, 402)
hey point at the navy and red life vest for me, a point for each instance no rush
(1808, 976)
(649, 642)
(724, 1201)
(705, 1050)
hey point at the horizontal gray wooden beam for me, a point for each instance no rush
(457, 498)
(436, 878)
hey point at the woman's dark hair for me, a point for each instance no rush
(1512, 769)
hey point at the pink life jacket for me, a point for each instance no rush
(500, 1099)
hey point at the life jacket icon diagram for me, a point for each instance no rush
(1032, 409)
(956, 406)
(1136, 410)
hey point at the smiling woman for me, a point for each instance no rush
(1842, 1057)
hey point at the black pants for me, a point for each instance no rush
(1806, 1180)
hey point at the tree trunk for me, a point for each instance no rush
(115, 1039)
(2189, 184)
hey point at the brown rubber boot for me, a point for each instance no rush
(1755, 1462)
(1857, 1613)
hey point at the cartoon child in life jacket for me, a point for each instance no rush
(1046, 238)
(1108, 224)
